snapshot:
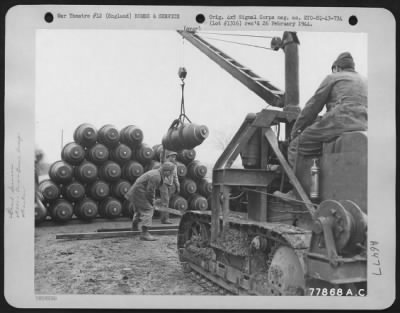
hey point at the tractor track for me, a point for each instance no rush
(237, 241)
(207, 284)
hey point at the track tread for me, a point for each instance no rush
(267, 230)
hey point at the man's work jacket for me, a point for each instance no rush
(345, 96)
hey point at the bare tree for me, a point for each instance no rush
(222, 139)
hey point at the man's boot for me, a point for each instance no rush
(145, 235)
(165, 218)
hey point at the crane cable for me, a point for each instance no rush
(182, 115)
(241, 35)
(291, 200)
(182, 75)
(238, 43)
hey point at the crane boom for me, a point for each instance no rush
(260, 86)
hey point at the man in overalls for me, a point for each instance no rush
(142, 196)
(171, 185)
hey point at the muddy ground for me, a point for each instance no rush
(114, 266)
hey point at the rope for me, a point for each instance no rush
(239, 43)
(182, 115)
(289, 211)
(236, 197)
(270, 194)
(241, 35)
(183, 51)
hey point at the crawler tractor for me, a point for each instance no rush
(253, 243)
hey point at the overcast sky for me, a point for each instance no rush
(125, 77)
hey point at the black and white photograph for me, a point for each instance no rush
(225, 157)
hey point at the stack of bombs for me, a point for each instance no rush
(99, 166)
(94, 173)
(195, 189)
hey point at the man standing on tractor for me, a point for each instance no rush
(344, 93)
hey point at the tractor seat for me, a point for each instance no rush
(355, 141)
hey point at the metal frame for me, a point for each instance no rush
(260, 86)
(224, 177)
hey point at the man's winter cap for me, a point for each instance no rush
(167, 166)
(344, 60)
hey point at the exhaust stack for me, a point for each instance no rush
(290, 44)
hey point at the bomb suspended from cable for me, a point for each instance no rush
(185, 136)
(180, 135)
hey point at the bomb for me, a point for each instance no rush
(185, 136)
(74, 191)
(61, 210)
(186, 156)
(110, 171)
(108, 135)
(157, 152)
(196, 170)
(86, 209)
(204, 187)
(178, 203)
(110, 208)
(73, 153)
(181, 169)
(99, 190)
(86, 172)
(132, 170)
(144, 153)
(131, 135)
(98, 154)
(86, 135)
(188, 187)
(49, 190)
(120, 188)
(121, 154)
(197, 203)
(61, 172)
(40, 213)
